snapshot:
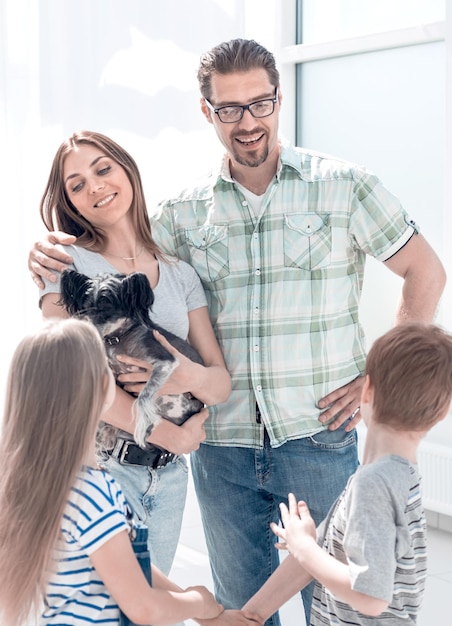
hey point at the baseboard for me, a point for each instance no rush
(439, 521)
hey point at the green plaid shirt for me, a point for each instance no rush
(283, 287)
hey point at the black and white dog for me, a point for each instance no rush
(119, 305)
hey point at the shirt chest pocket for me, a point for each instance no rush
(307, 240)
(209, 253)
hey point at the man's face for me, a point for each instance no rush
(250, 140)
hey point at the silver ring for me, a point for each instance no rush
(355, 412)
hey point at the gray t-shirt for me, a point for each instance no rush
(177, 292)
(378, 528)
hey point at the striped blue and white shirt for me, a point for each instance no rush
(96, 511)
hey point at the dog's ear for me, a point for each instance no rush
(74, 287)
(136, 294)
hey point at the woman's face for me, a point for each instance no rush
(97, 186)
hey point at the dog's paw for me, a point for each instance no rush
(146, 419)
(106, 436)
(178, 408)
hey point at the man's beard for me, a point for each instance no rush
(250, 160)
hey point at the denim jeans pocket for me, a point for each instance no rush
(334, 439)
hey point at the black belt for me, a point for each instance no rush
(258, 415)
(127, 452)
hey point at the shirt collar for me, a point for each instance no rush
(288, 157)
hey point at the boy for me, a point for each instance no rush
(368, 556)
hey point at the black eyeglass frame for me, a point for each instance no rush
(244, 107)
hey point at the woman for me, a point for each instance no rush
(95, 192)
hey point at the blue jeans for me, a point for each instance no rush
(239, 491)
(140, 547)
(157, 498)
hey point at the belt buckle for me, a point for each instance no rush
(124, 451)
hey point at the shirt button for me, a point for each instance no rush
(258, 272)
(259, 388)
(244, 203)
(256, 348)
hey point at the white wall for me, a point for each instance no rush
(126, 69)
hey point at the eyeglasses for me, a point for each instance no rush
(230, 114)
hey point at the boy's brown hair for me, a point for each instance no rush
(410, 369)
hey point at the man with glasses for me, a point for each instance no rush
(230, 114)
(279, 237)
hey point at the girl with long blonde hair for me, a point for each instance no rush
(65, 527)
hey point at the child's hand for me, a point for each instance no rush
(231, 617)
(298, 525)
(209, 607)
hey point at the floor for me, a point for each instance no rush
(191, 566)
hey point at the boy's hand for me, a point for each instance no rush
(298, 525)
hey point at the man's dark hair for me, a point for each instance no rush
(237, 55)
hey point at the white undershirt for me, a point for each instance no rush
(255, 202)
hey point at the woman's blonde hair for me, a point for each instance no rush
(55, 392)
(58, 212)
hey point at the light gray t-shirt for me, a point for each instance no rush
(378, 528)
(177, 292)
